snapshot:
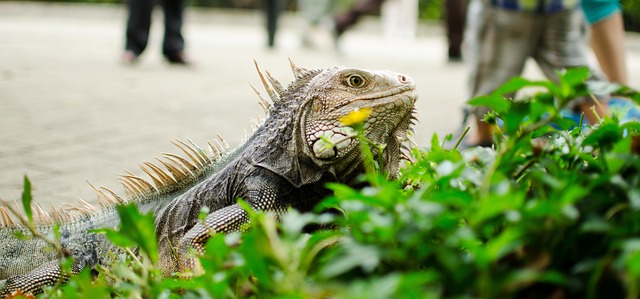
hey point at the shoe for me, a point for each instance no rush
(179, 58)
(454, 55)
(129, 57)
(454, 59)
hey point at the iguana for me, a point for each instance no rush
(300, 146)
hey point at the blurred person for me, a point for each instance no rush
(503, 34)
(607, 37)
(139, 23)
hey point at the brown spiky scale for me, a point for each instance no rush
(224, 141)
(275, 84)
(43, 216)
(222, 144)
(115, 198)
(298, 72)
(189, 152)
(73, 212)
(201, 152)
(219, 146)
(143, 185)
(175, 172)
(130, 189)
(262, 101)
(157, 182)
(196, 153)
(214, 151)
(6, 217)
(101, 196)
(55, 214)
(87, 206)
(181, 163)
(167, 178)
(104, 203)
(275, 97)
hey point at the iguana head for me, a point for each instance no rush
(382, 101)
(306, 132)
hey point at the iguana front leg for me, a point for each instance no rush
(263, 194)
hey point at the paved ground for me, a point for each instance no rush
(70, 112)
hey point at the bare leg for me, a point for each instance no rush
(483, 134)
(607, 41)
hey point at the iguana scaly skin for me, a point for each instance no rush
(286, 162)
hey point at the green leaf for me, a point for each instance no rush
(571, 78)
(503, 244)
(606, 134)
(115, 237)
(629, 93)
(139, 228)
(135, 230)
(496, 204)
(27, 199)
(512, 86)
(618, 156)
(521, 278)
(493, 102)
(514, 118)
(355, 256)
(595, 225)
(257, 251)
(317, 243)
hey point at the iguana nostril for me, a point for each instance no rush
(403, 79)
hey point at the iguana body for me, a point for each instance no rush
(286, 162)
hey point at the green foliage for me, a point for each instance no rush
(27, 199)
(136, 230)
(550, 213)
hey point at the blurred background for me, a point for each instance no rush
(72, 111)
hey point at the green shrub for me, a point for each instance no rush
(554, 211)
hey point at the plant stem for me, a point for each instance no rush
(461, 137)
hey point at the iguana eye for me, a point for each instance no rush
(356, 81)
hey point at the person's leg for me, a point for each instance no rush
(607, 41)
(565, 46)
(272, 9)
(138, 24)
(173, 43)
(503, 48)
(455, 22)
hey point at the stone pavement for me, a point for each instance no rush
(70, 112)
